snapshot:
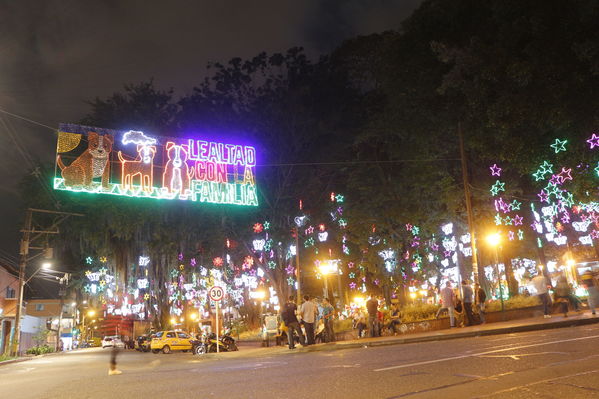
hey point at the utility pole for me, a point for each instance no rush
(62, 290)
(26, 242)
(297, 268)
(468, 204)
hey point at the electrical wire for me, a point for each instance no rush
(27, 119)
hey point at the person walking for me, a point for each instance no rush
(308, 312)
(590, 283)
(449, 301)
(288, 314)
(112, 370)
(480, 298)
(562, 293)
(372, 306)
(467, 295)
(328, 315)
(542, 287)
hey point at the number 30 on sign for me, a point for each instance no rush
(216, 293)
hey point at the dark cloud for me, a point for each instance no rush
(55, 55)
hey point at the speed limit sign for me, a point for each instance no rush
(216, 293)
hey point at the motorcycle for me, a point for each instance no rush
(226, 343)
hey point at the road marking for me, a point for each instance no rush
(517, 357)
(445, 359)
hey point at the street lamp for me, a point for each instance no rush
(494, 240)
(326, 268)
(90, 313)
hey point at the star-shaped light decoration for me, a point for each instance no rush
(87, 288)
(508, 221)
(102, 283)
(350, 265)
(568, 199)
(103, 270)
(181, 267)
(89, 260)
(498, 220)
(339, 198)
(272, 264)
(593, 141)
(559, 145)
(597, 169)
(290, 269)
(595, 234)
(543, 197)
(495, 170)
(497, 187)
(352, 275)
(103, 259)
(309, 230)
(510, 235)
(415, 230)
(518, 220)
(342, 223)
(193, 262)
(520, 235)
(565, 174)
(146, 296)
(516, 205)
(290, 281)
(258, 227)
(266, 225)
(409, 227)
(309, 242)
(352, 285)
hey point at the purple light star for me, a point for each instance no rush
(593, 141)
(595, 234)
(495, 170)
(518, 220)
(352, 285)
(543, 196)
(510, 235)
(565, 174)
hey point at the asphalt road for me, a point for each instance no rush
(562, 363)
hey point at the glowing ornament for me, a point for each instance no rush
(497, 187)
(339, 198)
(89, 260)
(322, 237)
(447, 228)
(193, 262)
(515, 205)
(495, 170)
(300, 221)
(415, 230)
(290, 281)
(559, 145)
(218, 261)
(593, 141)
(258, 244)
(142, 283)
(103, 259)
(543, 196)
(352, 285)
(520, 235)
(290, 269)
(309, 230)
(267, 225)
(342, 223)
(518, 220)
(258, 228)
(144, 260)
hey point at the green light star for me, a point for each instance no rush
(339, 198)
(498, 220)
(290, 281)
(272, 264)
(559, 145)
(508, 221)
(538, 175)
(520, 235)
(89, 259)
(552, 189)
(597, 169)
(497, 187)
(342, 223)
(516, 205)
(415, 230)
(266, 225)
(352, 275)
(568, 199)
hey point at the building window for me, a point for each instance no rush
(10, 293)
(39, 307)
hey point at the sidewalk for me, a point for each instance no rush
(505, 327)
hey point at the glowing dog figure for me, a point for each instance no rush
(177, 174)
(143, 166)
(91, 164)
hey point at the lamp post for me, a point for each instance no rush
(494, 240)
(325, 269)
(90, 313)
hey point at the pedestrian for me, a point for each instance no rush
(308, 312)
(112, 370)
(467, 299)
(288, 314)
(328, 315)
(372, 306)
(449, 301)
(360, 322)
(395, 320)
(480, 299)
(573, 299)
(541, 285)
(562, 293)
(590, 283)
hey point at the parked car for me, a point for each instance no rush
(114, 340)
(167, 341)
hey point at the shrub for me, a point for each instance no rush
(39, 350)
(418, 312)
(516, 302)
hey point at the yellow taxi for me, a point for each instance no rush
(167, 341)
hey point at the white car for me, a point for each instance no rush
(115, 340)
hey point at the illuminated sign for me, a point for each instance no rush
(131, 163)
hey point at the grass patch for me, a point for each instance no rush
(6, 357)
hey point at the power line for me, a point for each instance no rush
(27, 119)
(359, 162)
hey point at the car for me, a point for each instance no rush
(112, 341)
(168, 341)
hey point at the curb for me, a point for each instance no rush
(444, 337)
(17, 360)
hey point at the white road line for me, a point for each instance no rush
(445, 359)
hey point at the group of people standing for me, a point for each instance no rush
(310, 313)
(454, 305)
(564, 294)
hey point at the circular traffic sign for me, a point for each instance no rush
(216, 293)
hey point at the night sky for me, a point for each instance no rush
(55, 55)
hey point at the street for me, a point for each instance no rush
(542, 364)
